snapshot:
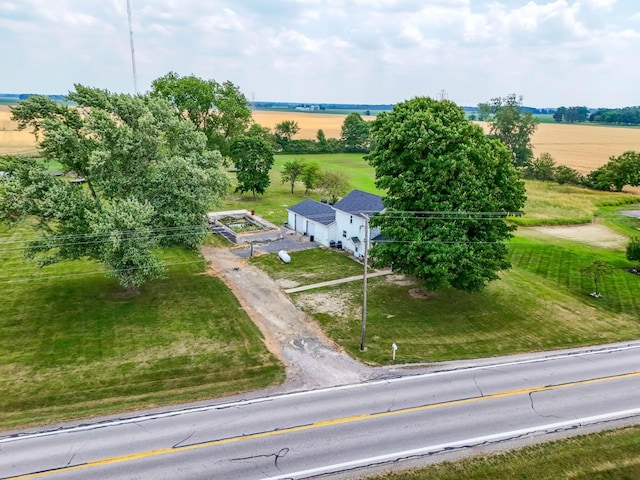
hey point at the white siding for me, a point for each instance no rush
(321, 233)
(348, 226)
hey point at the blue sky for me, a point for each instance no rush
(561, 52)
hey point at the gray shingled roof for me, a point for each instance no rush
(358, 202)
(319, 212)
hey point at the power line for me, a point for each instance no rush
(94, 272)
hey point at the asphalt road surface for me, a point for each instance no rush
(342, 429)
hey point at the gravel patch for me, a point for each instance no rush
(592, 233)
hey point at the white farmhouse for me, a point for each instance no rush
(340, 225)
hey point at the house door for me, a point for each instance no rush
(311, 228)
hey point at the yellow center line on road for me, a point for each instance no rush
(321, 424)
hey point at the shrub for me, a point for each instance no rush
(633, 249)
(541, 168)
(567, 175)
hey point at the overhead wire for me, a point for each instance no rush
(168, 232)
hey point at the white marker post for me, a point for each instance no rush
(394, 347)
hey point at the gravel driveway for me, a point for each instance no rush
(312, 360)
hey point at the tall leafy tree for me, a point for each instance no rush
(559, 114)
(292, 171)
(147, 181)
(448, 187)
(333, 184)
(541, 168)
(253, 158)
(355, 136)
(285, 131)
(220, 110)
(310, 176)
(484, 111)
(321, 140)
(513, 126)
(617, 172)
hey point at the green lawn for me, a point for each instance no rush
(310, 266)
(610, 455)
(273, 204)
(542, 303)
(73, 346)
(547, 203)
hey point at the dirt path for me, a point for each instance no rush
(312, 360)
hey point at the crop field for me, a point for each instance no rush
(583, 147)
(309, 123)
(12, 141)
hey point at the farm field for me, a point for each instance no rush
(583, 147)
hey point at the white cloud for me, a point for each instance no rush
(606, 4)
(552, 51)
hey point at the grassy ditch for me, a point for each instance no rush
(606, 455)
(73, 346)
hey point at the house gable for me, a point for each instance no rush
(360, 203)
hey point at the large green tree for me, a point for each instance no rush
(253, 158)
(292, 171)
(220, 110)
(284, 132)
(310, 176)
(448, 188)
(333, 184)
(509, 123)
(355, 135)
(145, 180)
(617, 173)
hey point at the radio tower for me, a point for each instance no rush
(133, 52)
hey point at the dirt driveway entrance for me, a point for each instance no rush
(312, 360)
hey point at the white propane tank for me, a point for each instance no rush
(284, 256)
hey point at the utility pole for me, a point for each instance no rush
(133, 53)
(363, 330)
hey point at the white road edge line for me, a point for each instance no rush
(221, 406)
(496, 437)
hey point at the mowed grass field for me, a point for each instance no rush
(73, 346)
(583, 147)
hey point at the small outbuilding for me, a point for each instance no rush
(314, 219)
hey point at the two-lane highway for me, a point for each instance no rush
(306, 434)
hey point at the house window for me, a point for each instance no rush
(356, 249)
(344, 233)
(351, 219)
